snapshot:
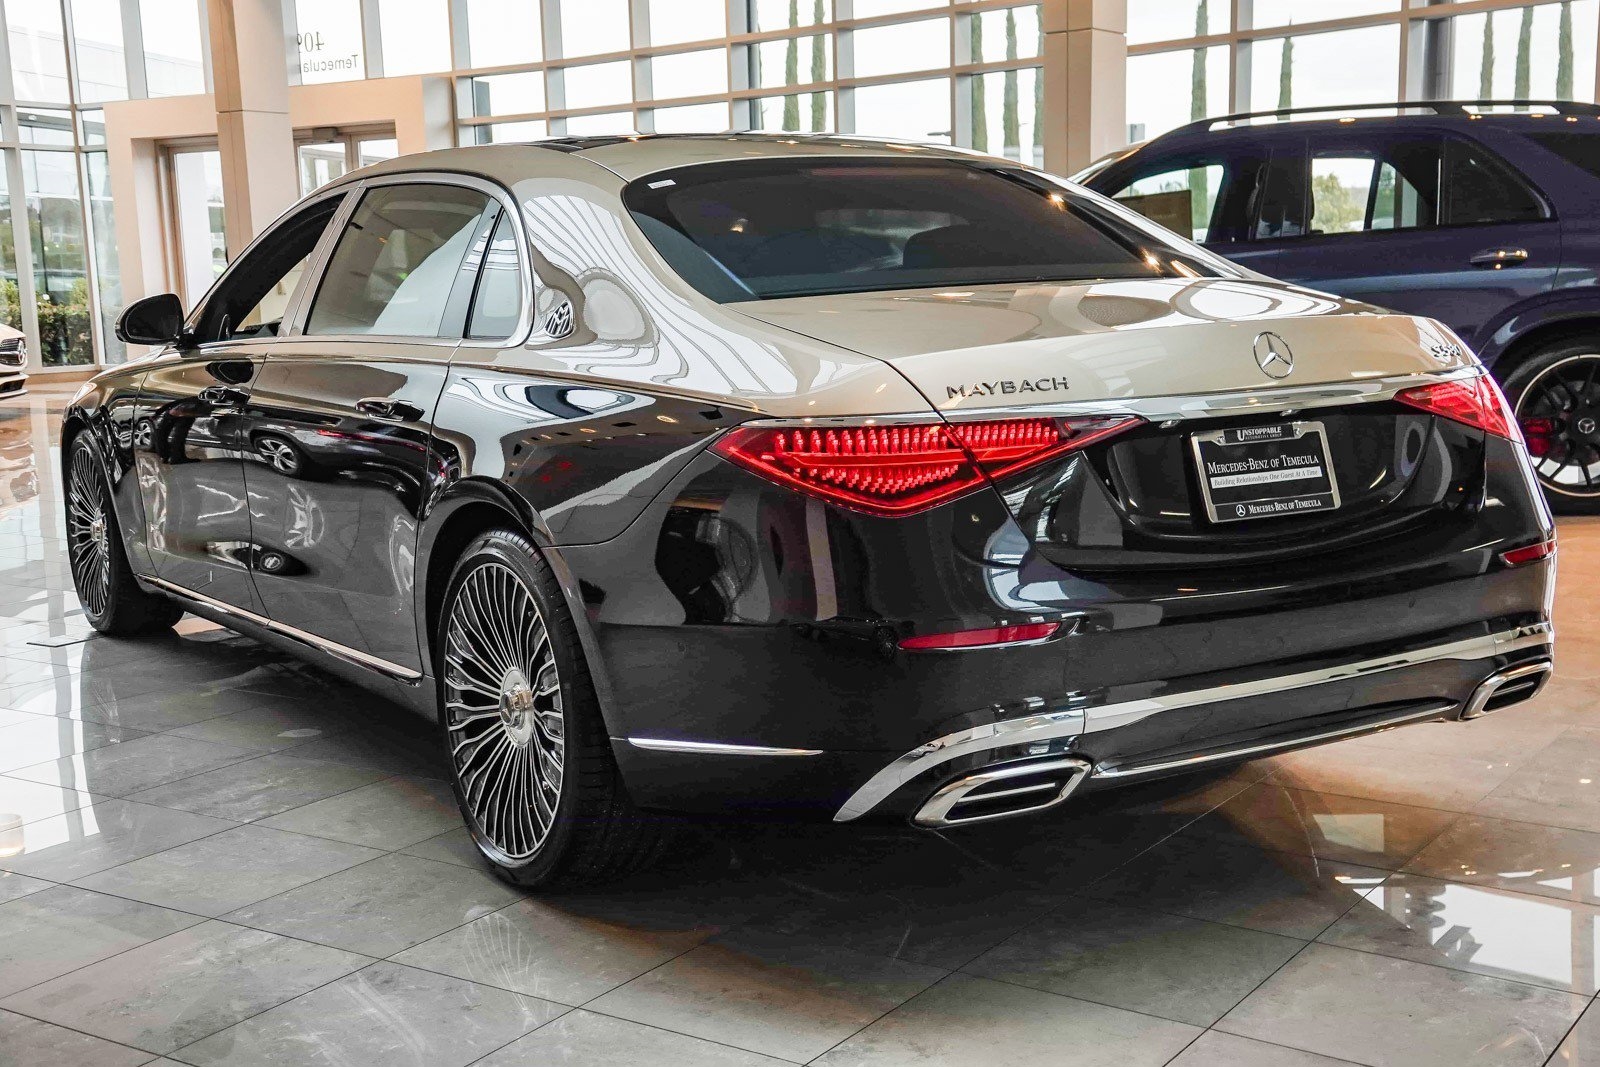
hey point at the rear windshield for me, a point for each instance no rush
(764, 229)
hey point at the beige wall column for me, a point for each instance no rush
(250, 55)
(1085, 81)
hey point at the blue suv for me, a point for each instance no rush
(1484, 215)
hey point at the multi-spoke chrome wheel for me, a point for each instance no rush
(280, 454)
(503, 712)
(1559, 412)
(89, 534)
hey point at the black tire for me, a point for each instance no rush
(591, 832)
(1555, 394)
(112, 600)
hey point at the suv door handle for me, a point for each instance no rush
(384, 408)
(1495, 258)
(223, 396)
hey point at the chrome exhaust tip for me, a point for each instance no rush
(1001, 791)
(1505, 687)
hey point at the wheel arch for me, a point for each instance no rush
(1516, 350)
(468, 508)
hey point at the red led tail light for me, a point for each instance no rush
(1517, 557)
(899, 468)
(1475, 402)
(996, 635)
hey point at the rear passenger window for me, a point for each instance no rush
(1181, 200)
(497, 305)
(392, 270)
(1394, 187)
(1479, 189)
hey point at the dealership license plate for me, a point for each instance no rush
(1258, 472)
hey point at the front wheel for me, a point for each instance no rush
(111, 598)
(530, 755)
(1555, 394)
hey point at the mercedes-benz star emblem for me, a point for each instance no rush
(1273, 355)
(1586, 425)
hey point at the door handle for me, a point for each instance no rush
(385, 408)
(1495, 258)
(223, 396)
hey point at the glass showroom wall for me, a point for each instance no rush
(59, 281)
(1316, 53)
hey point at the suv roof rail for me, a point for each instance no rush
(1429, 107)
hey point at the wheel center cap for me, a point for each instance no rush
(1586, 425)
(516, 706)
(97, 530)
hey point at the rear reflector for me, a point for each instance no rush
(999, 635)
(1528, 553)
(901, 468)
(1476, 402)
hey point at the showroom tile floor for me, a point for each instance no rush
(210, 854)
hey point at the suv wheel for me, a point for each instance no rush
(529, 753)
(1555, 394)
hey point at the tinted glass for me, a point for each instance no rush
(1480, 189)
(251, 301)
(498, 302)
(1181, 200)
(392, 271)
(776, 228)
(1579, 149)
(1392, 186)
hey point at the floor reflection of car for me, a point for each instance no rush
(13, 358)
(1477, 214)
(823, 477)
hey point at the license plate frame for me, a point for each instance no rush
(1265, 487)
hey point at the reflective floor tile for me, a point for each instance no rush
(1375, 833)
(130, 766)
(1581, 1047)
(1396, 1013)
(30, 1043)
(1167, 965)
(389, 814)
(169, 993)
(382, 906)
(452, 846)
(1543, 860)
(1560, 786)
(42, 739)
(13, 886)
(555, 952)
(269, 728)
(1216, 1049)
(584, 1039)
(8, 717)
(965, 1020)
(259, 788)
(103, 834)
(378, 1017)
(226, 871)
(1261, 889)
(1471, 928)
(164, 709)
(768, 994)
(22, 802)
(57, 930)
(1451, 783)
(392, 752)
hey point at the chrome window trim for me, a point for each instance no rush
(1267, 400)
(359, 188)
(322, 644)
(716, 748)
(1073, 722)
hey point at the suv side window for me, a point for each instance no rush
(1208, 200)
(1393, 186)
(251, 300)
(396, 262)
(1481, 189)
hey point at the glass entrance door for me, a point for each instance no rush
(199, 242)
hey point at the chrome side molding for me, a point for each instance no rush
(293, 633)
(717, 748)
(1072, 722)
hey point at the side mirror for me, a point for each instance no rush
(154, 320)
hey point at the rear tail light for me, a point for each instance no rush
(901, 468)
(1516, 557)
(1475, 402)
(998, 635)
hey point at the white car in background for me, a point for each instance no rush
(13, 358)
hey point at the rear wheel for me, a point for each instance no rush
(1555, 394)
(530, 755)
(112, 600)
